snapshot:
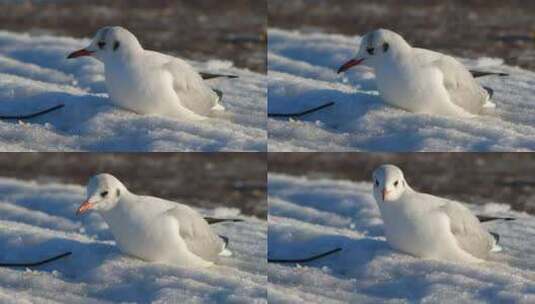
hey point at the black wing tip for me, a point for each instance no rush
(495, 236)
(218, 93)
(483, 218)
(208, 76)
(490, 91)
(235, 220)
(213, 220)
(477, 74)
(225, 240)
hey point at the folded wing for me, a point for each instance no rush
(471, 236)
(197, 234)
(461, 86)
(191, 89)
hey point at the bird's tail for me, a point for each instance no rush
(225, 240)
(218, 109)
(219, 94)
(495, 247)
(489, 104)
(225, 252)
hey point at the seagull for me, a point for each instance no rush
(148, 82)
(420, 80)
(428, 226)
(151, 228)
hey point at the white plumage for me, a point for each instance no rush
(419, 80)
(151, 228)
(149, 82)
(427, 226)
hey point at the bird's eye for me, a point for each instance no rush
(104, 193)
(370, 51)
(116, 45)
(377, 183)
(101, 44)
(386, 46)
(396, 183)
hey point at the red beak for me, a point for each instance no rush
(80, 53)
(84, 207)
(384, 194)
(351, 63)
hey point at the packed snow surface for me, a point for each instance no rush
(302, 75)
(35, 74)
(37, 220)
(311, 216)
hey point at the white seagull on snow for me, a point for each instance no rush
(151, 228)
(428, 226)
(148, 82)
(420, 80)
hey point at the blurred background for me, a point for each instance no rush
(465, 28)
(477, 178)
(194, 29)
(207, 180)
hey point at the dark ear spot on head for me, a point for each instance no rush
(118, 192)
(386, 46)
(116, 45)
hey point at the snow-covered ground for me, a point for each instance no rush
(302, 74)
(38, 220)
(310, 216)
(35, 74)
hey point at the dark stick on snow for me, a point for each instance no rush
(213, 220)
(483, 218)
(207, 76)
(38, 263)
(477, 74)
(309, 259)
(299, 114)
(33, 115)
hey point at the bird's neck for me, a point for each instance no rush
(117, 212)
(395, 205)
(398, 57)
(391, 65)
(124, 59)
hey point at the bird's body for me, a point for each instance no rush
(428, 226)
(420, 80)
(432, 84)
(148, 82)
(155, 229)
(154, 83)
(420, 224)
